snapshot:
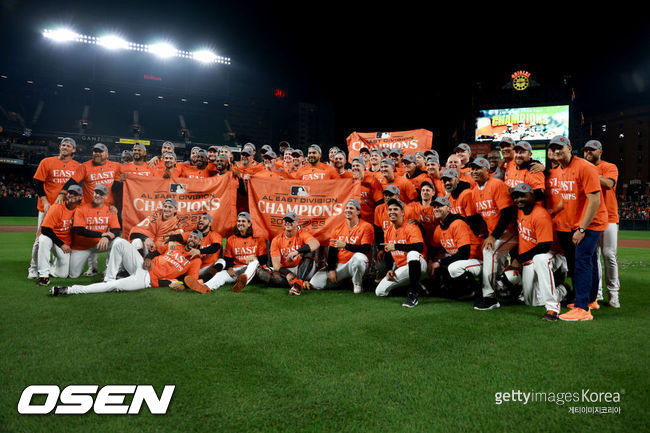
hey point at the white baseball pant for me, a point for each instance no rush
(538, 283)
(33, 264)
(459, 267)
(494, 261)
(78, 259)
(401, 275)
(122, 254)
(222, 277)
(60, 267)
(608, 247)
(353, 268)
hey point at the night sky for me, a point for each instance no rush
(391, 67)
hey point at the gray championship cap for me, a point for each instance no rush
(392, 189)
(377, 151)
(395, 201)
(296, 152)
(244, 215)
(316, 147)
(441, 201)
(173, 154)
(508, 141)
(249, 144)
(524, 145)
(197, 233)
(409, 158)
(69, 140)
(265, 148)
(463, 147)
(395, 151)
(388, 161)
(522, 188)
(449, 173)
(247, 150)
(127, 153)
(75, 189)
(169, 143)
(269, 154)
(291, 216)
(560, 140)
(171, 201)
(480, 163)
(140, 146)
(100, 146)
(207, 215)
(354, 202)
(359, 160)
(594, 144)
(101, 188)
(433, 158)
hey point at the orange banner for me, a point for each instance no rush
(214, 195)
(318, 204)
(416, 140)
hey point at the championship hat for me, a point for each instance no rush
(69, 140)
(524, 145)
(316, 147)
(395, 201)
(354, 202)
(76, 189)
(593, 144)
(449, 173)
(508, 141)
(521, 188)
(409, 158)
(244, 215)
(463, 147)
(480, 163)
(101, 188)
(560, 140)
(171, 201)
(291, 216)
(101, 146)
(359, 160)
(392, 189)
(441, 201)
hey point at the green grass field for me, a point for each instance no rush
(328, 361)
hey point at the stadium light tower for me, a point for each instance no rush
(163, 49)
(113, 42)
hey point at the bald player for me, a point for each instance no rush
(454, 161)
(608, 245)
(347, 258)
(50, 177)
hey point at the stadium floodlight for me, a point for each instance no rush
(162, 49)
(113, 42)
(61, 35)
(204, 56)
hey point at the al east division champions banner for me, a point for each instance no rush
(215, 195)
(318, 204)
(416, 140)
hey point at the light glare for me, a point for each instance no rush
(162, 50)
(113, 42)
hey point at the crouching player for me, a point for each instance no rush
(243, 255)
(155, 270)
(209, 248)
(463, 250)
(406, 262)
(535, 258)
(292, 257)
(347, 256)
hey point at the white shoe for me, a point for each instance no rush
(358, 289)
(90, 272)
(613, 300)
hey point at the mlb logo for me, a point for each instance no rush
(300, 191)
(177, 188)
(383, 135)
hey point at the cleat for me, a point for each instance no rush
(242, 280)
(296, 287)
(484, 304)
(550, 316)
(58, 291)
(613, 300)
(411, 301)
(358, 288)
(576, 315)
(194, 284)
(32, 274)
(43, 281)
(594, 305)
(91, 272)
(177, 286)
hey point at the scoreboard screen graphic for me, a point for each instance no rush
(528, 123)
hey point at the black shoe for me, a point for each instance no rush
(484, 304)
(43, 281)
(411, 301)
(58, 291)
(550, 316)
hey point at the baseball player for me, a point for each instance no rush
(243, 255)
(138, 166)
(56, 238)
(412, 172)
(405, 261)
(375, 161)
(270, 171)
(339, 161)
(461, 261)
(464, 152)
(432, 165)
(209, 248)
(170, 167)
(292, 257)
(535, 258)
(315, 169)
(421, 211)
(492, 204)
(157, 161)
(458, 192)
(126, 157)
(454, 161)
(201, 169)
(50, 177)
(586, 214)
(371, 191)
(608, 245)
(347, 258)
(396, 155)
(389, 177)
(506, 145)
(156, 270)
(154, 231)
(519, 172)
(95, 227)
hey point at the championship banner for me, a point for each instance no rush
(416, 140)
(214, 195)
(318, 204)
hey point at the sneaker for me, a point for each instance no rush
(550, 316)
(32, 274)
(242, 280)
(576, 315)
(613, 300)
(58, 291)
(43, 281)
(593, 306)
(296, 287)
(484, 304)
(411, 301)
(358, 288)
(91, 272)
(196, 285)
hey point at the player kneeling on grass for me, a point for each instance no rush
(210, 246)
(242, 257)
(535, 259)
(292, 257)
(462, 262)
(406, 262)
(348, 252)
(155, 270)
(56, 238)
(153, 232)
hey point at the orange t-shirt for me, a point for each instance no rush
(156, 229)
(463, 205)
(514, 176)
(172, 264)
(424, 215)
(456, 235)
(239, 248)
(361, 234)
(609, 171)
(59, 219)
(91, 175)
(320, 171)
(407, 191)
(265, 174)
(192, 172)
(94, 219)
(580, 178)
(211, 238)
(54, 173)
(489, 200)
(371, 193)
(405, 234)
(466, 176)
(553, 197)
(140, 170)
(417, 180)
(281, 245)
(381, 216)
(534, 228)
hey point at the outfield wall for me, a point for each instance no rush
(10, 206)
